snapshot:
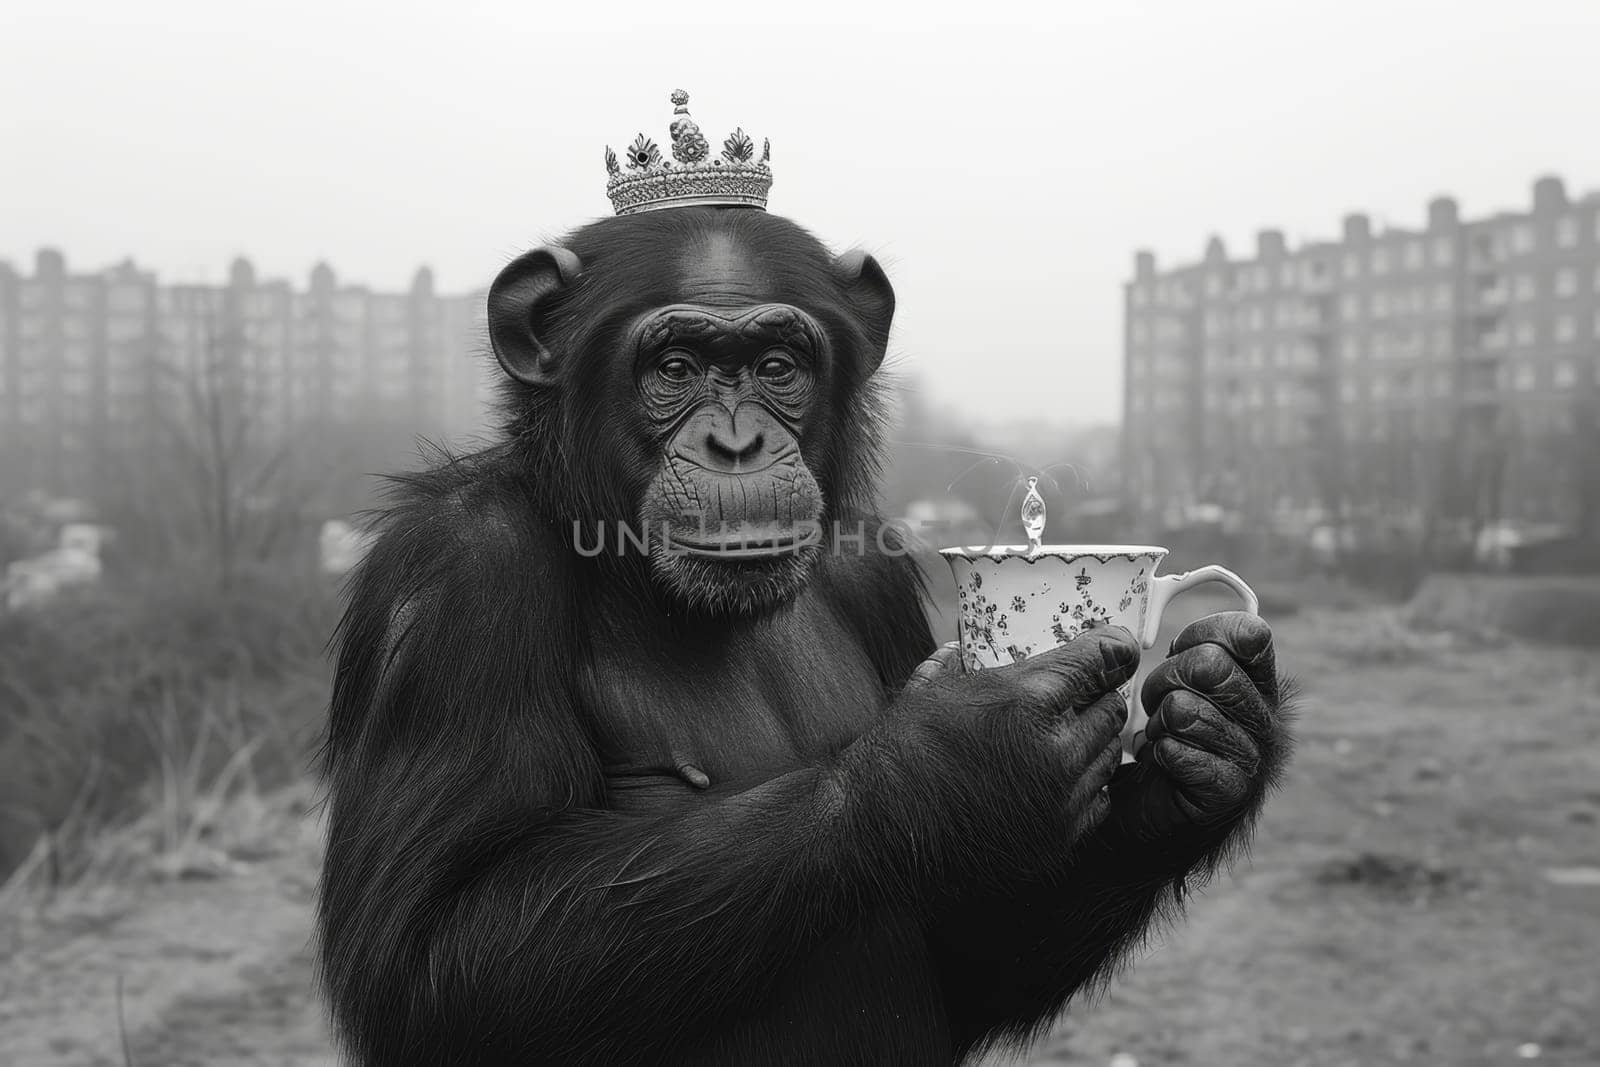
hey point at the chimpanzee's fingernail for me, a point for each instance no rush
(1251, 636)
(1177, 715)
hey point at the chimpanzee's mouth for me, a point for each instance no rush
(752, 546)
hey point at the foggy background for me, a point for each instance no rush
(1003, 165)
(281, 218)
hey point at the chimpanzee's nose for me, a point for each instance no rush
(742, 440)
(733, 446)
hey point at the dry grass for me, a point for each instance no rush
(155, 703)
(1562, 609)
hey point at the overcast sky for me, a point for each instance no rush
(1005, 174)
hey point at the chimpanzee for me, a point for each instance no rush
(720, 799)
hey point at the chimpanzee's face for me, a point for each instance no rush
(711, 367)
(733, 509)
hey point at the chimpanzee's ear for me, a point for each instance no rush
(871, 297)
(519, 301)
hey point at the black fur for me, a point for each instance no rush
(516, 874)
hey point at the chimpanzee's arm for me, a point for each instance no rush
(479, 906)
(1011, 959)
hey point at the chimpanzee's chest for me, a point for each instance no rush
(700, 717)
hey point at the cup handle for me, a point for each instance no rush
(1166, 586)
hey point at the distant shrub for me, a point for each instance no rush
(135, 694)
(1564, 609)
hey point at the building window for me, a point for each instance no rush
(1352, 265)
(1441, 340)
(1522, 238)
(1350, 347)
(1443, 383)
(1523, 287)
(77, 297)
(1523, 377)
(1524, 333)
(1566, 281)
(1286, 274)
(1414, 255)
(1566, 374)
(126, 299)
(1380, 260)
(1443, 297)
(1350, 304)
(1141, 296)
(1567, 232)
(1566, 328)
(1443, 251)
(1380, 304)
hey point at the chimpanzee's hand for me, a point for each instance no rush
(1217, 735)
(1041, 737)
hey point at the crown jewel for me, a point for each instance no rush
(647, 181)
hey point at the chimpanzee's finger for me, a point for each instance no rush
(1096, 772)
(945, 658)
(1077, 674)
(1208, 787)
(1210, 672)
(1147, 800)
(1083, 737)
(1192, 719)
(1246, 637)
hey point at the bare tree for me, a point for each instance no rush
(213, 483)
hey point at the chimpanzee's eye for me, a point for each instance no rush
(776, 369)
(678, 370)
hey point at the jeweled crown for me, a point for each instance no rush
(646, 181)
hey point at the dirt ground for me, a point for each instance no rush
(1425, 890)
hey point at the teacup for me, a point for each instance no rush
(1014, 602)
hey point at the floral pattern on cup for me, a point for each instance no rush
(1012, 605)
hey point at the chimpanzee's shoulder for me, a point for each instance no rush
(878, 569)
(882, 595)
(460, 510)
(873, 572)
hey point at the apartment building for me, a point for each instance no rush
(1448, 369)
